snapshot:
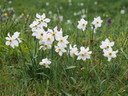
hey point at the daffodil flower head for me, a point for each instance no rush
(62, 41)
(106, 44)
(48, 39)
(84, 53)
(110, 53)
(45, 46)
(55, 32)
(82, 24)
(34, 25)
(73, 51)
(97, 22)
(14, 40)
(60, 50)
(39, 33)
(42, 19)
(45, 62)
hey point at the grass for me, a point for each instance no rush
(21, 74)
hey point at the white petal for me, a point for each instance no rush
(83, 58)
(7, 43)
(40, 47)
(47, 20)
(7, 38)
(43, 16)
(109, 59)
(37, 15)
(15, 42)
(79, 57)
(12, 45)
(112, 43)
(60, 53)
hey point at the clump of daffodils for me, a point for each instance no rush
(61, 45)
(47, 38)
(39, 22)
(96, 23)
(107, 49)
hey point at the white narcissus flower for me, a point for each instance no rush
(42, 19)
(45, 46)
(61, 18)
(82, 24)
(53, 34)
(83, 16)
(55, 17)
(34, 25)
(84, 53)
(106, 44)
(45, 62)
(97, 22)
(110, 53)
(60, 50)
(47, 3)
(48, 39)
(57, 33)
(70, 47)
(68, 22)
(95, 30)
(73, 51)
(50, 12)
(14, 40)
(40, 33)
(16, 35)
(62, 41)
(122, 11)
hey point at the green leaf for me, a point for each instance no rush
(70, 67)
(124, 53)
(43, 74)
(67, 94)
(73, 79)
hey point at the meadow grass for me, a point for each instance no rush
(20, 72)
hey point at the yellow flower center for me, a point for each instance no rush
(97, 22)
(82, 55)
(48, 38)
(110, 54)
(40, 38)
(27, 16)
(44, 64)
(22, 14)
(107, 47)
(41, 34)
(36, 26)
(5, 14)
(42, 20)
(59, 49)
(61, 40)
(73, 54)
(53, 34)
(85, 53)
(10, 41)
(45, 46)
(83, 24)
